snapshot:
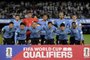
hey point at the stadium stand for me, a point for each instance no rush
(10, 8)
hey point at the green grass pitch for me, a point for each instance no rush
(86, 39)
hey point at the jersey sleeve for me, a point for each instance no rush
(81, 34)
(16, 34)
(3, 29)
(55, 23)
(57, 32)
(68, 31)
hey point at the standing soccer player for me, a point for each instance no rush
(29, 19)
(35, 33)
(8, 34)
(61, 20)
(62, 34)
(17, 21)
(43, 23)
(74, 19)
(50, 33)
(20, 34)
(76, 36)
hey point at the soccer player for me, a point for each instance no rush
(29, 20)
(20, 34)
(17, 21)
(74, 19)
(61, 20)
(8, 34)
(50, 30)
(43, 23)
(35, 33)
(76, 35)
(62, 34)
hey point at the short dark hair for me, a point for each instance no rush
(17, 15)
(34, 14)
(73, 23)
(45, 14)
(11, 23)
(22, 23)
(28, 12)
(73, 15)
(50, 22)
(62, 24)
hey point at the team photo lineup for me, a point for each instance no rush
(44, 30)
(32, 31)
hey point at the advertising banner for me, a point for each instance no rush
(44, 52)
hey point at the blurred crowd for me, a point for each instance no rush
(9, 9)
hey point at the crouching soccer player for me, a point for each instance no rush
(20, 34)
(8, 34)
(62, 34)
(35, 33)
(76, 36)
(50, 33)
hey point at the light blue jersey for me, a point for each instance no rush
(63, 34)
(59, 22)
(8, 32)
(50, 32)
(35, 32)
(77, 33)
(16, 23)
